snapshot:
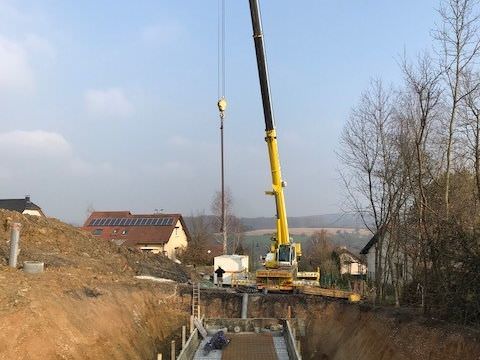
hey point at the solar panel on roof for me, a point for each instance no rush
(122, 222)
(143, 221)
(116, 222)
(102, 222)
(170, 221)
(92, 222)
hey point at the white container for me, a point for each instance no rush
(235, 266)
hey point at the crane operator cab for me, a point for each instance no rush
(285, 255)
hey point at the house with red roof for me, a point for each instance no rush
(159, 233)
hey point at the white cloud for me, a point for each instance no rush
(159, 34)
(15, 71)
(37, 143)
(108, 103)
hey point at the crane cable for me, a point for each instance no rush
(222, 102)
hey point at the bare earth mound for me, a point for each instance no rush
(87, 300)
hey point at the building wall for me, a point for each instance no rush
(177, 240)
(32, 212)
(404, 272)
(349, 265)
(156, 249)
(371, 262)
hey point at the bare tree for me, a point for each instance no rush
(197, 251)
(471, 124)
(233, 227)
(222, 214)
(372, 167)
(237, 235)
(458, 37)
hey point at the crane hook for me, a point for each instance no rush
(222, 106)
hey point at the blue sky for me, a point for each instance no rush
(112, 104)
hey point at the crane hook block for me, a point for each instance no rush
(222, 105)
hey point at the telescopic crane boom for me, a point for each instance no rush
(281, 262)
(271, 136)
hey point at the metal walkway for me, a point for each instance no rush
(248, 346)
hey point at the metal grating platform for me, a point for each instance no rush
(247, 346)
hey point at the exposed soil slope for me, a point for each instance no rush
(88, 303)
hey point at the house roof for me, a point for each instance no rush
(132, 230)
(373, 240)
(343, 250)
(19, 205)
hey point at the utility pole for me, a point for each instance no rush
(222, 106)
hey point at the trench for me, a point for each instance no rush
(338, 330)
(140, 321)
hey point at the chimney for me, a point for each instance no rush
(27, 199)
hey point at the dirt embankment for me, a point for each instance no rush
(88, 303)
(100, 321)
(62, 246)
(337, 330)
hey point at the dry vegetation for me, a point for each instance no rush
(411, 158)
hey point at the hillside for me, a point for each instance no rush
(339, 220)
(314, 221)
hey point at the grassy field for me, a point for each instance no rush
(355, 240)
(310, 231)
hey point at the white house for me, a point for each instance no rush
(399, 260)
(159, 233)
(350, 263)
(23, 206)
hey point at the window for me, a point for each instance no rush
(124, 232)
(284, 253)
(97, 232)
(114, 231)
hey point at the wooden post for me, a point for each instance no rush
(184, 336)
(298, 347)
(172, 356)
(289, 312)
(192, 325)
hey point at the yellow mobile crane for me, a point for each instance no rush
(281, 263)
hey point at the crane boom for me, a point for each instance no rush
(282, 236)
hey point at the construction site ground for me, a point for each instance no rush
(89, 304)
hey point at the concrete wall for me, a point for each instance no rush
(336, 330)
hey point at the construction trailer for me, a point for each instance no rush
(235, 266)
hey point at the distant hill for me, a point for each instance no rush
(314, 221)
(348, 221)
